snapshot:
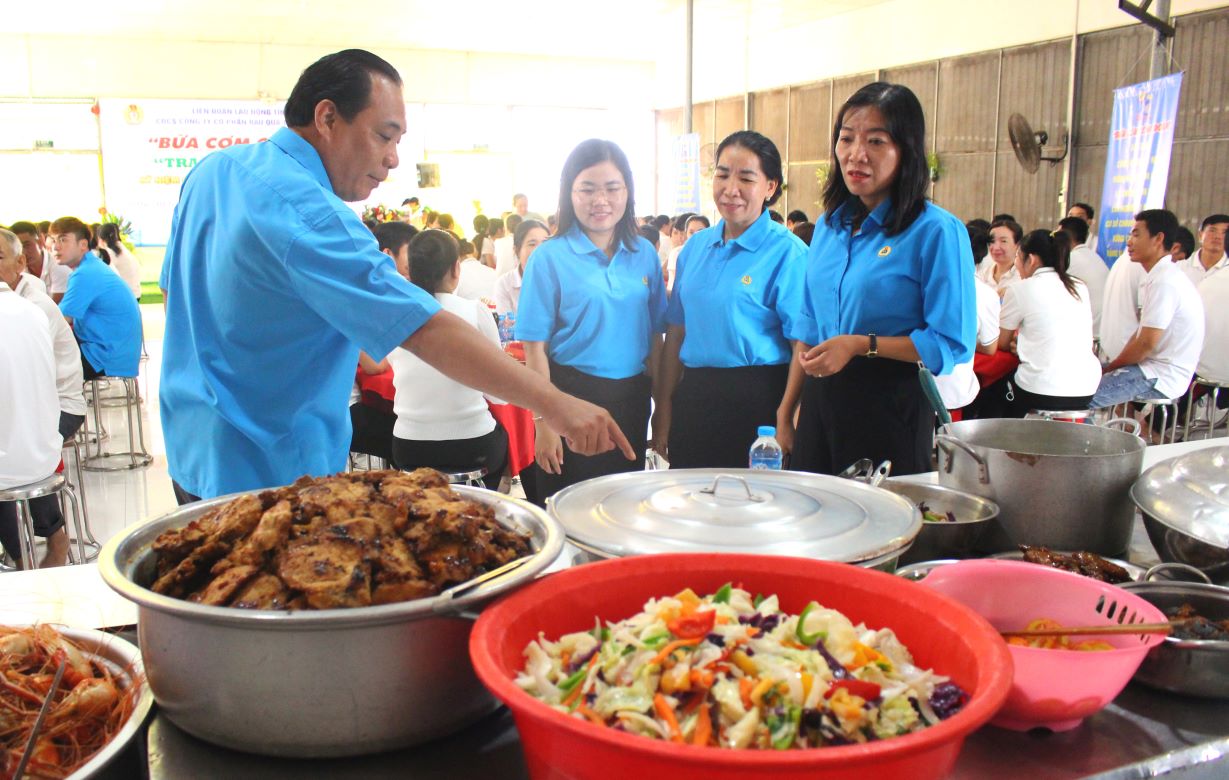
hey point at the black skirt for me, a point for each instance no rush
(627, 400)
(716, 411)
(875, 408)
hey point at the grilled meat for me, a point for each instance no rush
(1086, 563)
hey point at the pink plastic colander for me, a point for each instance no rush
(1055, 689)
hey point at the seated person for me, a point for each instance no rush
(440, 422)
(1159, 360)
(959, 388)
(529, 236)
(1211, 258)
(1087, 266)
(371, 424)
(98, 305)
(29, 441)
(1051, 310)
(998, 269)
(477, 280)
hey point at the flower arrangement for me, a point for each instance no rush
(381, 213)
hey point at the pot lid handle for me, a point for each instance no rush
(983, 471)
(1197, 574)
(1127, 424)
(751, 495)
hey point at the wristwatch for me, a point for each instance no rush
(873, 351)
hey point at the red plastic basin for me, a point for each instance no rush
(941, 633)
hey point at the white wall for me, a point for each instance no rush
(747, 52)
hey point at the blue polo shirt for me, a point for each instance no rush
(738, 298)
(273, 285)
(595, 313)
(917, 283)
(106, 319)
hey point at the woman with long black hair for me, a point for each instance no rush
(737, 292)
(889, 285)
(592, 311)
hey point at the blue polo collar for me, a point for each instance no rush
(298, 148)
(752, 237)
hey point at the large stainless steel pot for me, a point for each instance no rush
(1185, 503)
(959, 539)
(315, 683)
(1190, 666)
(1060, 485)
(737, 510)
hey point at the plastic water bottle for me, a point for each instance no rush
(505, 328)
(765, 452)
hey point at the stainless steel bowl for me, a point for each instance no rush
(1174, 545)
(315, 683)
(1190, 666)
(1185, 504)
(945, 540)
(124, 662)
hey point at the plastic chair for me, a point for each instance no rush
(133, 458)
(467, 477)
(53, 485)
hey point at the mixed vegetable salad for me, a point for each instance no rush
(732, 670)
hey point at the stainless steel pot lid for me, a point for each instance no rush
(736, 510)
(1189, 493)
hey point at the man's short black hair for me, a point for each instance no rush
(660, 221)
(344, 78)
(776, 216)
(1088, 209)
(410, 201)
(980, 224)
(1076, 228)
(1160, 222)
(394, 235)
(796, 216)
(1211, 219)
(1187, 239)
(29, 229)
(650, 234)
(1003, 218)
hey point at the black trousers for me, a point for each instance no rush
(1026, 401)
(372, 431)
(874, 408)
(489, 450)
(627, 400)
(716, 411)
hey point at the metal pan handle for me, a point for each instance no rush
(948, 444)
(1185, 568)
(1127, 424)
(712, 489)
(865, 470)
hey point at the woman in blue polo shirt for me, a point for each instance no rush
(889, 285)
(737, 293)
(592, 311)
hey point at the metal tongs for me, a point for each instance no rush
(444, 601)
(866, 471)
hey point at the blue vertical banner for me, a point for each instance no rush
(686, 160)
(1137, 165)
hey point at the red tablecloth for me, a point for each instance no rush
(377, 390)
(991, 368)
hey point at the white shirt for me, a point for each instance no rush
(28, 280)
(985, 272)
(959, 388)
(30, 436)
(1194, 270)
(68, 372)
(124, 264)
(508, 292)
(1214, 358)
(1120, 305)
(1087, 266)
(1055, 338)
(1170, 302)
(477, 280)
(505, 255)
(672, 264)
(54, 275)
(430, 406)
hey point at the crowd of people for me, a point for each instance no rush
(665, 332)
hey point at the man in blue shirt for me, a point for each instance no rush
(273, 285)
(98, 305)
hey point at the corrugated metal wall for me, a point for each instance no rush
(968, 100)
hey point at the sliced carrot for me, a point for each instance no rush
(666, 713)
(694, 702)
(745, 686)
(671, 647)
(580, 686)
(591, 715)
(565, 659)
(704, 728)
(702, 679)
(761, 688)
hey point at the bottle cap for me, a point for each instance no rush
(767, 430)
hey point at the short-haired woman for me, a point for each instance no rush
(441, 423)
(889, 284)
(1052, 311)
(592, 311)
(736, 295)
(999, 269)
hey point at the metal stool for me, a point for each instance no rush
(1169, 428)
(473, 478)
(133, 458)
(1213, 395)
(79, 488)
(21, 494)
(374, 462)
(1086, 416)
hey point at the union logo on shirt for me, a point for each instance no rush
(885, 251)
(645, 279)
(746, 280)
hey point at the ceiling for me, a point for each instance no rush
(629, 29)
